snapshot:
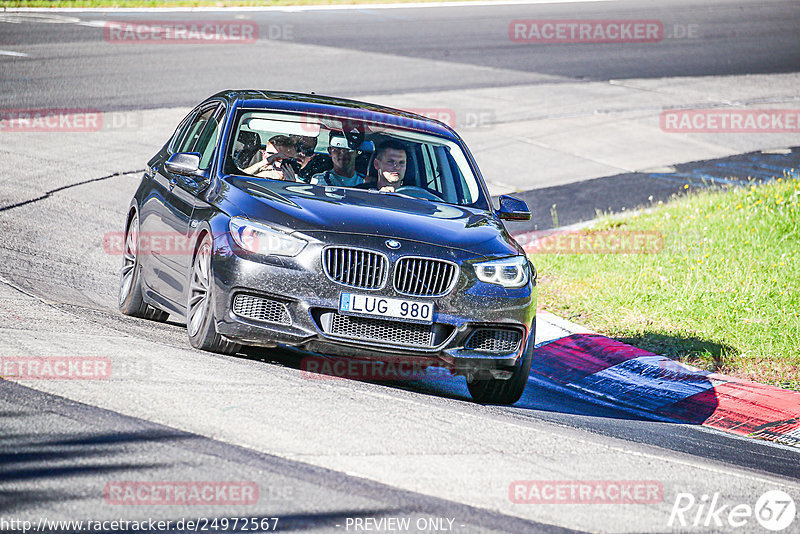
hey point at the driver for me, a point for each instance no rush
(390, 161)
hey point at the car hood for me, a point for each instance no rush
(320, 211)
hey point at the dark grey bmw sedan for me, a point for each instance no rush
(334, 226)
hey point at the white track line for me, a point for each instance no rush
(12, 53)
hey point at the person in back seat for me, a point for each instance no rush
(309, 163)
(344, 172)
(270, 163)
(251, 142)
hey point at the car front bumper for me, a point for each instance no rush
(302, 302)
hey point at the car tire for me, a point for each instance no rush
(200, 318)
(131, 301)
(505, 392)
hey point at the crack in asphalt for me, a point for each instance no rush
(50, 193)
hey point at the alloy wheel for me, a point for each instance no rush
(199, 288)
(129, 259)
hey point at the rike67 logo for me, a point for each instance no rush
(775, 510)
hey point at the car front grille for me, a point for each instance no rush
(261, 309)
(395, 332)
(501, 341)
(424, 277)
(355, 267)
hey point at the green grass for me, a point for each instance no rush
(723, 294)
(189, 3)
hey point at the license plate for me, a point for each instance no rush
(386, 308)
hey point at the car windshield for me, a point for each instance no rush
(336, 151)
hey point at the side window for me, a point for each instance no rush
(453, 176)
(189, 141)
(433, 178)
(207, 141)
(180, 132)
(415, 166)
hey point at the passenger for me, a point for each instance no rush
(269, 162)
(390, 161)
(344, 172)
(309, 163)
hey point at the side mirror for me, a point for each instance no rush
(184, 163)
(513, 209)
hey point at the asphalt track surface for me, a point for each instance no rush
(71, 67)
(320, 451)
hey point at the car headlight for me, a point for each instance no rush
(507, 272)
(261, 239)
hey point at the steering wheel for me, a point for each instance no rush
(418, 192)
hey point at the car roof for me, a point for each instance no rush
(339, 107)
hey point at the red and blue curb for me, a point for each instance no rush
(589, 364)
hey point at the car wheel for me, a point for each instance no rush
(496, 391)
(200, 308)
(130, 289)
